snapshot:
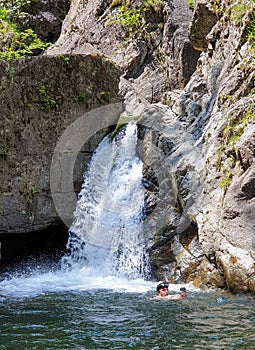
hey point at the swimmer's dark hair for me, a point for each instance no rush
(183, 289)
(162, 285)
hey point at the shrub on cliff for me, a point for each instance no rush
(15, 43)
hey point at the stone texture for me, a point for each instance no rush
(220, 91)
(40, 97)
(204, 20)
(45, 17)
(154, 61)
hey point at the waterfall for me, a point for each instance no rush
(107, 231)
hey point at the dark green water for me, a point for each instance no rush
(104, 319)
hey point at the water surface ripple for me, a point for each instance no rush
(105, 319)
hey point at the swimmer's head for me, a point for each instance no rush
(183, 292)
(162, 285)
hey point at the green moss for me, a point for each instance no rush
(216, 5)
(123, 120)
(237, 12)
(236, 125)
(117, 129)
(226, 181)
(237, 135)
(4, 152)
(103, 97)
(249, 34)
(29, 191)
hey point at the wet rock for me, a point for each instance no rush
(224, 217)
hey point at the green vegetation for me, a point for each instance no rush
(250, 29)
(15, 43)
(80, 97)
(15, 8)
(235, 127)
(191, 4)
(47, 101)
(237, 12)
(103, 97)
(66, 59)
(226, 181)
(30, 193)
(243, 12)
(122, 122)
(231, 134)
(216, 5)
(133, 19)
(4, 152)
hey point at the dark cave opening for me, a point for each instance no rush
(46, 245)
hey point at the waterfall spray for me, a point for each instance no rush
(107, 231)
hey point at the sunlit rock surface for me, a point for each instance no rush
(154, 59)
(217, 103)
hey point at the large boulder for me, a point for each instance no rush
(40, 98)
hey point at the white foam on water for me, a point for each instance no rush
(106, 244)
(76, 280)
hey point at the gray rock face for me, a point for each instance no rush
(40, 98)
(158, 56)
(204, 230)
(45, 17)
(217, 106)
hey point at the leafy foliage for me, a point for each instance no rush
(133, 19)
(250, 30)
(15, 43)
(15, 8)
(191, 4)
(47, 101)
(237, 12)
(231, 134)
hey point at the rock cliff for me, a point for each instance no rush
(187, 75)
(40, 98)
(216, 108)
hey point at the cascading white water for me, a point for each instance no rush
(107, 231)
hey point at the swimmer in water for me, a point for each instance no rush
(163, 292)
